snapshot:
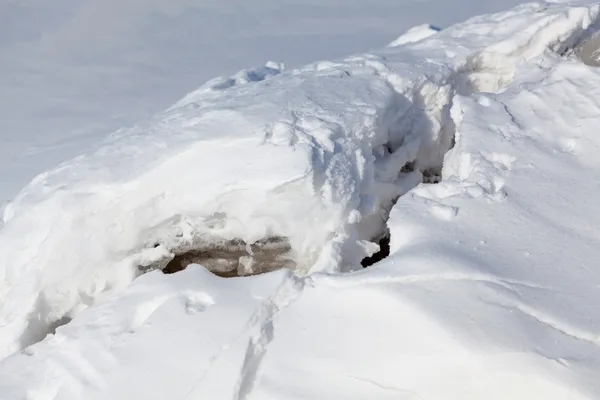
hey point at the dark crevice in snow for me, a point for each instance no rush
(428, 118)
(432, 175)
(408, 167)
(235, 257)
(57, 324)
(384, 252)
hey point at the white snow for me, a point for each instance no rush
(73, 71)
(415, 34)
(490, 290)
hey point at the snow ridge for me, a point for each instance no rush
(341, 168)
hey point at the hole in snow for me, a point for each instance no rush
(432, 175)
(57, 324)
(236, 258)
(384, 251)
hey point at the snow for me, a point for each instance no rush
(415, 34)
(73, 71)
(490, 289)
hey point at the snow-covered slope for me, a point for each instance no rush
(73, 71)
(490, 288)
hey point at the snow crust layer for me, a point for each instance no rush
(490, 290)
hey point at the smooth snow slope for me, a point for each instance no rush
(73, 71)
(491, 288)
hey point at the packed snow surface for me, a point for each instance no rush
(491, 287)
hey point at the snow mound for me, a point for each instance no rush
(318, 157)
(415, 34)
(315, 156)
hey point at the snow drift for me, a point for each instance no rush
(316, 156)
(319, 156)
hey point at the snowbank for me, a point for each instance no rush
(477, 299)
(314, 155)
(72, 72)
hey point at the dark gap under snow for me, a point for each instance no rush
(236, 258)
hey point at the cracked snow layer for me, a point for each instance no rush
(263, 333)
